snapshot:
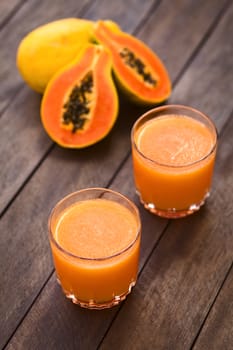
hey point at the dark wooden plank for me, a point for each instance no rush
(184, 274)
(7, 9)
(155, 33)
(218, 329)
(179, 284)
(62, 172)
(124, 15)
(79, 169)
(69, 325)
(54, 336)
(208, 82)
(69, 329)
(23, 143)
(30, 15)
(24, 110)
(177, 29)
(37, 13)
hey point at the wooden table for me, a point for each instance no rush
(184, 295)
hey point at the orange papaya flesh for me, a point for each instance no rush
(138, 70)
(80, 103)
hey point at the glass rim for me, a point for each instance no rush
(162, 108)
(75, 256)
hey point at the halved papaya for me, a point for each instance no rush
(80, 104)
(138, 70)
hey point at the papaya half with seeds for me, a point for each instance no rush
(80, 103)
(138, 70)
(48, 48)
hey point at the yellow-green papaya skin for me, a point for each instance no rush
(50, 47)
(112, 25)
(138, 71)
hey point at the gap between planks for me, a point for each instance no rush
(211, 307)
(179, 75)
(11, 14)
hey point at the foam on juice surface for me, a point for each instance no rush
(174, 140)
(96, 228)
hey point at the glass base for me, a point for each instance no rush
(172, 213)
(92, 304)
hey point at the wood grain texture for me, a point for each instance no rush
(156, 299)
(62, 172)
(81, 328)
(129, 19)
(67, 171)
(31, 14)
(158, 28)
(37, 12)
(23, 143)
(56, 315)
(217, 332)
(184, 274)
(8, 8)
(23, 113)
(177, 28)
(191, 261)
(195, 252)
(211, 95)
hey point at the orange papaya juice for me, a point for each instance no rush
(95, 244)
(173, 150)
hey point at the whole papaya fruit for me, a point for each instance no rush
(80, 103)
(50, 47)
(138, 70)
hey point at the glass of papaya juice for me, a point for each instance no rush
(95, 241)
(173, 152)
